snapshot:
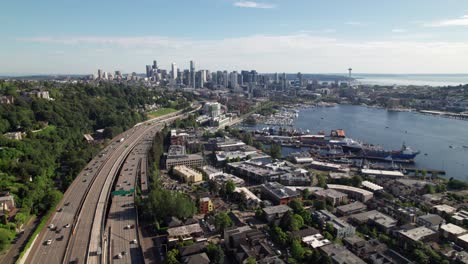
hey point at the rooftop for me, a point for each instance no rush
(453, 229)
(352, 207)
(279, 209)
(417, 233)
(371, 186)
(315, 241)
(279, 191)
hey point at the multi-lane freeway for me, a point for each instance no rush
(75, 232)
(121, 228)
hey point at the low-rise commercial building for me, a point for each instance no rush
(444, 209)
(251, 200)
(431, 221)
(422, 234)
(451, 231)
(340, 255)
(332, 196)
(460, 217)
(278, 193)
(371, 186)
(192, 160)
(382, 221)
(352, 208)
(353, 192)
(187, 174)
(275, 213)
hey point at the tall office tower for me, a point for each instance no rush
(192, 73)
(299, 77)
(240, 80)
(118, 74)
(276, 78)
(233, 80)
(225, 79)
(284, 81)
(149, 70)
(245, 76)
(186, 77)
(219, 74)
(214, 78)
(104, 75)
(199, 80)
(174, 71)
(254, 76)
(155, 65)
(99, 74)
(179, 76)
(202, 75)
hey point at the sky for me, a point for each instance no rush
(309, 36)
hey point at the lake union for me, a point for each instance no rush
(440, 140)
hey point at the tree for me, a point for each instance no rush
(215, 253)
(322, 181)
(171, 257)
(275, 151)
(251, 260)
(291, 222)
(296, 205)
(222, 221)
(420, 256)
(247, 138)
(356, 181)
(279, 236)
(297, 251)
(319, 204)
(429, 188)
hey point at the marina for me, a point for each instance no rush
(381, 129)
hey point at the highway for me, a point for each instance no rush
(80, 216)
(121, 228)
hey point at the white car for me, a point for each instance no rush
(67, 226)
(51, 226)
(134, 241)
(48, 242)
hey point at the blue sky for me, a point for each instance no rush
(398, 36)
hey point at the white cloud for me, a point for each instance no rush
(462, 21)
(354, 23)
(302, 52)
(399, 30)
(252, 4)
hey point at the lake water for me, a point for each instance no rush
(412, 79)
(429, 134)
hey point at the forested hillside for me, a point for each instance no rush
(38, 168)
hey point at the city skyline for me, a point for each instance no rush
(268, 36)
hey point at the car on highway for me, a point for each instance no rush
(67, 203)
(52, 227)
(118, 256)
(48, 242)
(66, 226)
(60, 209)
(134, 241)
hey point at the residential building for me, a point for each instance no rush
(352, 192)
(250, 199)
(382, 221)
(275, 213)
(206, 205)
(444, 209)
(332, 196)
(431, 221)
(342, 229)
(210, 172)
(351, 208)
(451, 231)
(7, 204)
(460, 217)
(185, 232)
(371, 186)
(244, 242)
(200, 258)
(278, 193)
(222, 179)
(421, 233)
(315, 241)
(340, 255)
(187, 174)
